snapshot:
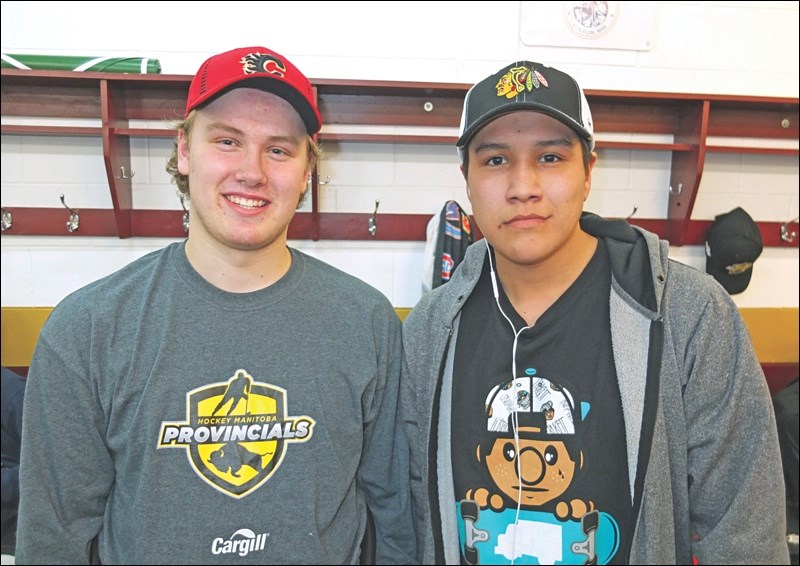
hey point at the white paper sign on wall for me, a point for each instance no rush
(598, 25)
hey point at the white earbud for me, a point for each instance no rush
(494, 278)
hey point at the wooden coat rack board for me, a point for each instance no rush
(116, 99)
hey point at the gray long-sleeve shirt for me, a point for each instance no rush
(180, 423)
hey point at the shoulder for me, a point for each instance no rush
(13, 383)
(692, 286)
(786, 407)
(443, 303)
(13, 393)
(334, 286)
(428, 309)
(106, 298)
(695, 304)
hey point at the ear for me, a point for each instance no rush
(587, 187)
(183, 153)
(478, 452)
(464, 174)
(580, 460)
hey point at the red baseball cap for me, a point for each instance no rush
(255, 67)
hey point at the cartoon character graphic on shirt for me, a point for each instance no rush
(527, 516)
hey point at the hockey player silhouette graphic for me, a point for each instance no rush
(238, 389)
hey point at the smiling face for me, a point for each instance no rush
(527, 183)
(247, 162)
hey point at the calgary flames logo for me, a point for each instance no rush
(236, 433)
(257, 63)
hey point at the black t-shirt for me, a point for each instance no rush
(564, 404)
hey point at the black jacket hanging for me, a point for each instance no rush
(452, 240)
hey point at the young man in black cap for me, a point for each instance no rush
(227, 399)
(572, 395)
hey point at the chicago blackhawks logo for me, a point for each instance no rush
(520, 80)
(236, 433)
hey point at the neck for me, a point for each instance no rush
(533, 288)
(239, 270)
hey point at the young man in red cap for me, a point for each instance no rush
(226, 399)
(572, 394)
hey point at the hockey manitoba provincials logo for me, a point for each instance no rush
(236, 432)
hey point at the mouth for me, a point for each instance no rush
(248, 203)
(525, 220)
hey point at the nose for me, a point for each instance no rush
(531, 466)
(524, 183)
(252, 168)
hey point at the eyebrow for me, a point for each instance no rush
(224, 127)
(555, 142)
(236, 131)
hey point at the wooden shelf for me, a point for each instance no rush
(50, 130)
(643, 146)
(752, 150)
(115, 99)
(28, 221)
(145, 132)
(387, 138)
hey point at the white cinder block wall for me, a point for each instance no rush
(743, 48)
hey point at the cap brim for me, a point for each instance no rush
(281, 89)
(733, 283)
(484, 120)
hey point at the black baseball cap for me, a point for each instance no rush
(733, 243)
(524, 85)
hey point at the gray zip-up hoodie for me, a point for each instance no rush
(703, 456)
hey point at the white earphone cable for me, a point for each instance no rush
(515, 421)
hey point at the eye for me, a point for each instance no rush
(496, 160)
(549, 158)
(550, 455)
(509, 452)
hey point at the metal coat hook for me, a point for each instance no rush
(373, 221)
(786, 235)
(6, 221)
(74, 220)
(123, 175)
(183, 198)
(635, 208)
(678, 191)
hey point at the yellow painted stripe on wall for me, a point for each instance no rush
(20, 327)
(774, 332)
